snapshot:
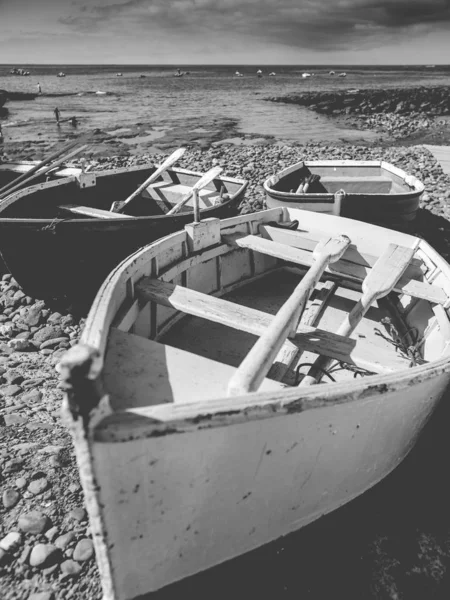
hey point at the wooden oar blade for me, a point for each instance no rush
(119, 205)
(332, 249)
(387, 270)
(201, 183)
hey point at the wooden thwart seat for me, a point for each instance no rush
(342, 268)
(88, 211)
(250, 320)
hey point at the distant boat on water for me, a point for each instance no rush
(342, 75)
(119, 74)
(259, 73)
(305, 75)
(332, 73)
(272, 74)
(61, 74)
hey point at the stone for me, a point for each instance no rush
(21, 482)
(42, 596)
(34, 522)
(11, 541)
(14, 419)
(10, 390)
(51, 533)
(48, 332)
(78, 514)
(10, 498)
(84, 550)
(70, 568)
(44, 555)
(13, 376)
(53, 342)
(64, 540)
(37, 486)
(31, 397)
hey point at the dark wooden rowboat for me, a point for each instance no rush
(55, 254)
(375, 191)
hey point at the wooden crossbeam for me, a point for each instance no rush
(88, 211)
(341, 268)
(250, 320)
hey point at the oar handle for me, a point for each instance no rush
(25, 176)
(258, 361)
(173, 158)
(44, 171)
(201, 183)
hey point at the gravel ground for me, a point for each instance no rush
(392, 543)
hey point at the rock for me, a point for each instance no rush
(20, 344)
(14, 419)
(10, 498)
(70, 568)
(53, 342)
(48, 332)
(34, 522)
(84, 550)
(10, 390)
(44, 555)
(51, 534)
(37, 486)
(11, 541)
(33, 316)
(78, 514)
(13, 376)
(31, 397)
(42, 596)
(64, 540)
(3, 556)
(21, 482)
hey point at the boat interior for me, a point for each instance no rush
(10, 171)
(354, 179)
(198, 312)
(89, 195)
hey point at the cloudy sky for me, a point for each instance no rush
(225, 31)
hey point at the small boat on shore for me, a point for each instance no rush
(60, 238)
(198, 425)
(371, 191)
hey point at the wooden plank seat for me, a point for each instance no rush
(173, 192)
(362, 185)
(307, 338)
(140, 372)
(341, 268)
(88, 211)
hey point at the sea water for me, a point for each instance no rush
(147, 102)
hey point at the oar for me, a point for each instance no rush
(43, 172)
(379, 283)
(36, 168)
(201, 183)
(258, 361)
(120, 205)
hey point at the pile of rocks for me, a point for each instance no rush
(399, 112)
(45, 541)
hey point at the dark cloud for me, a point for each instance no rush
(309, 24)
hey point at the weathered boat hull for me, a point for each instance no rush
(395, 207)
(58, 257)
(175, 487)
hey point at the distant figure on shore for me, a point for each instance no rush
(57, 113)
(73, 121)
(1, 134)
(39, 88)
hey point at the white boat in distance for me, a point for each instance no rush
(198, 430)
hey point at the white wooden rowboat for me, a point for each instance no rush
(196, 434)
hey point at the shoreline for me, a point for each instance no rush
(389, 543)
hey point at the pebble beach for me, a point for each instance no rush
(391, 543)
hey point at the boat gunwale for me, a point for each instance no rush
(27, 191)
(156, 419)
(328, 197)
